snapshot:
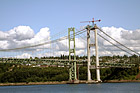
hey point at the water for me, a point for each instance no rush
(75, 88)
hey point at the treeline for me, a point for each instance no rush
(122, 59)
(27, 74)
(19, 73)
(83, 57)
(111, 73)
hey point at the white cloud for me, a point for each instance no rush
(21, 33)
(3, 35)
(80, 44)
(24, 36)
(3, 44)
(131, 35)
(43, 34)
(113, 32)
(127, 37)
(62, 45)
(24, 55)
(79, 52)
(59, 53)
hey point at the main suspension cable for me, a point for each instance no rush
(49, 42)
(117, 41)
(113, 44)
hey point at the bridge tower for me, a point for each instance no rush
(88, 54)
(72, 69)
(96, 53)
(93, 27)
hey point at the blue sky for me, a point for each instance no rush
(61, 14)
(25, 17)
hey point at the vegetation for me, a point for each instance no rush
(31, 74)
(111, 73)
(25, 73)
(115, 58)
(19, 73)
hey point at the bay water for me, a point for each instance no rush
(74, 88)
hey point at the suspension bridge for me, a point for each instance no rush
(47, 52)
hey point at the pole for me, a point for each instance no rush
(88, 53)
(97, 57)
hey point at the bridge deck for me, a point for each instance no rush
(63, 62)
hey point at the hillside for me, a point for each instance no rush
(10, 73)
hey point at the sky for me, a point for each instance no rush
(61, 14)
(29, 20)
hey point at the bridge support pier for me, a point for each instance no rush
(72, 69)
(88, 54)
(96, 53)
(97, 57)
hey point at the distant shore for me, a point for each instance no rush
(33, 83)
(62, 82)
(120, 81)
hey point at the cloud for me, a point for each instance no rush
(3, 44)
(43, 34)
(21, 33)
(24, 36)
(131, 35)
(80, 44)
(3, 35)
(113, 32)
(127, 37)
(24, 55)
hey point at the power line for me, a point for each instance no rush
(117, 41)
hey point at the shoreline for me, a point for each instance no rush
(120, 81)
(63, 82)
(33, 83)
